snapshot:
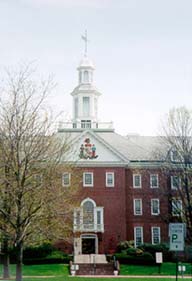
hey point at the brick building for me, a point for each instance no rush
(123, 181)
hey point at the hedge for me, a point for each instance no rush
(42, 254)
(144, 258)
(36, 261)
(152, 249)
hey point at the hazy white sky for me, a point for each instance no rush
(142, 50)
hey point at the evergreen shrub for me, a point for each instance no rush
(143, 258)
(152, 249)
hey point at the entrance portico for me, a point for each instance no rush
(86, 244)
(88, 222)
(89, 244)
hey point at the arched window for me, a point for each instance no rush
(88, 217)
(88, 213)
(86, 76)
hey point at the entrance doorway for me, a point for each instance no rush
(89, 244)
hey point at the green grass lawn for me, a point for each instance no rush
(95, 279)
(60, 272)
(166, 269)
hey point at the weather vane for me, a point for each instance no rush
(85, 39)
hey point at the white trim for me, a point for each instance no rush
(134, 176)
(140, 206)
(175, 200)
(122, 158)
(90, 164)
(152, 234)
(151, 181)
(107, 184)
(90, 236)
(152, 213)
(145, 164)
(69, 178)
(172, 182)
(88, 199)
(175, 157)
(135, 237)
(92, 179)
(78, 223)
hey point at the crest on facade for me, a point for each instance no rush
(87, 150)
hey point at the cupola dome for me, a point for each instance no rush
(86, 63)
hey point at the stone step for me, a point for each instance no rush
(92, 258)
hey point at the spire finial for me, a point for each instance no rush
(85, 39)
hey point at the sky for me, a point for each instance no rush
(141, 49)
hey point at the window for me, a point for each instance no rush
(86, 76)
(87, 179)
(176, 207)
(155, 207)
(137, 181)
(175, 156)
(99, 214)
(66, 179)
(154, 181)
(88, 217)
(88, 214)
(86, 124)
(138, 236)
(77, 217)
(110, 179)
(155, 235)
(137, 207)
(175, 182)
(86, 106)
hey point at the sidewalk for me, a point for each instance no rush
(138, 276)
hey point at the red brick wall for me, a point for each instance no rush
(113, 200)
(146, 193)
(119, 218)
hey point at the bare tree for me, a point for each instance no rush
(177, 131)
(32, 198)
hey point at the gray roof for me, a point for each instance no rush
(133, 147)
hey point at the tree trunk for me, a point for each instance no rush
(19, 262)
(5, 258)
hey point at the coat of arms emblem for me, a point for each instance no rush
(87, 150)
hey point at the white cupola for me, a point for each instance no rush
(85, 95)
(85, 99)
(85, 69)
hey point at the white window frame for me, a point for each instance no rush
(175, 156)
(136, 213)
(174, 206)
(140, 228)
(107, 178)
(134, 181)
(152, 207)
(63, 179)
(153, 228)
(151, 180)
(84, 178)
(86, 105)
(98, 220)
(85, 124)
(174, 187)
